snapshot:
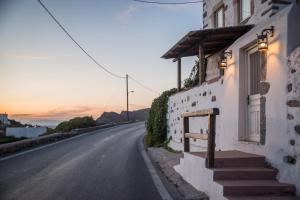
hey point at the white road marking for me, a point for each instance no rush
(157, 182)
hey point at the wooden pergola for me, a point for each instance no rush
(202, 43)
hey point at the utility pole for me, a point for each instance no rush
(127, 93)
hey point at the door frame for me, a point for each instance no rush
(243, 93)
(253, 100)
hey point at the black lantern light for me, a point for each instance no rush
(223, 60)
(262, 39)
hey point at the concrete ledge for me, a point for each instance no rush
(10, 148)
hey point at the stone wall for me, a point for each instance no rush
(262, 10)
(212, 70)
(291, 155)
(29, 132)
(206, 96)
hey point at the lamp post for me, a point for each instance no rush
(128, 104)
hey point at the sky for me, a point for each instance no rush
(45, 78)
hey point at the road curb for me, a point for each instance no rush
(155, 177)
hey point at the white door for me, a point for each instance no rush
(254, 61)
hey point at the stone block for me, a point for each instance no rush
(290, 116)
(264, 88)
(213, 98)
(289, 87)
(297, 129)
(293, 103)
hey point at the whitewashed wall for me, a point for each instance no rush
(224, 94)
(26, 132)
(198, 98)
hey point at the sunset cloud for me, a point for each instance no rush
(67, 112)
(124, 15)
(175, 8)
(24, 56)
(60, 112)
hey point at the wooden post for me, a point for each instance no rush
(127, 103)
(186, 141)
(201, 65)
(210, 158)
(178, 74)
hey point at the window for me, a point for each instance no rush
(245, 9)
(255, 62)
(219, 17)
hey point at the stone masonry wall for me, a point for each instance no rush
(194, 99)
(291, 156)
(262, 9)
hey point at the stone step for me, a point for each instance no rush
(256, 187)
(257, 161)
(244, 173)
(233, 158)
(263, 198)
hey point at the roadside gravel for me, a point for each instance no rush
(166, 161)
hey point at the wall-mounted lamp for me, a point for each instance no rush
(223, 60)
(262, 39)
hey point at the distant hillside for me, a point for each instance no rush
(13, 123)
(112, 117)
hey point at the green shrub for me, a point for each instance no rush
(77, 122)
(193, 79)
(157, 122)
(8, 139)
(49, 131)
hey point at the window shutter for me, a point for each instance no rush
(252, 7)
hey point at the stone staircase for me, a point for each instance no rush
(243, 176)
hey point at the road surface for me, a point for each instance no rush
(104, 164)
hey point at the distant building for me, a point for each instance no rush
(3, 123)
(4, 119)
(20, 130)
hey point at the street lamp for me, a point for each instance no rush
(262, 39)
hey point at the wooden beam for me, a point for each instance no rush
(201, 113)
(210, 159)
(183, 45)
(186, 141)
(201, 66)
(196, 136)
(178, 74)
(226, 34)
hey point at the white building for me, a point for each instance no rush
(257, 95)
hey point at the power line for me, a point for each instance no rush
(94, 60)
(70, 36)
(142, 85)
(169, 3)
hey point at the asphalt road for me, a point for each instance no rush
(104, 164)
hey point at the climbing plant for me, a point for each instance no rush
(193, 78)
(157, 122)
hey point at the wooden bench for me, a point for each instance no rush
(211, 114)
